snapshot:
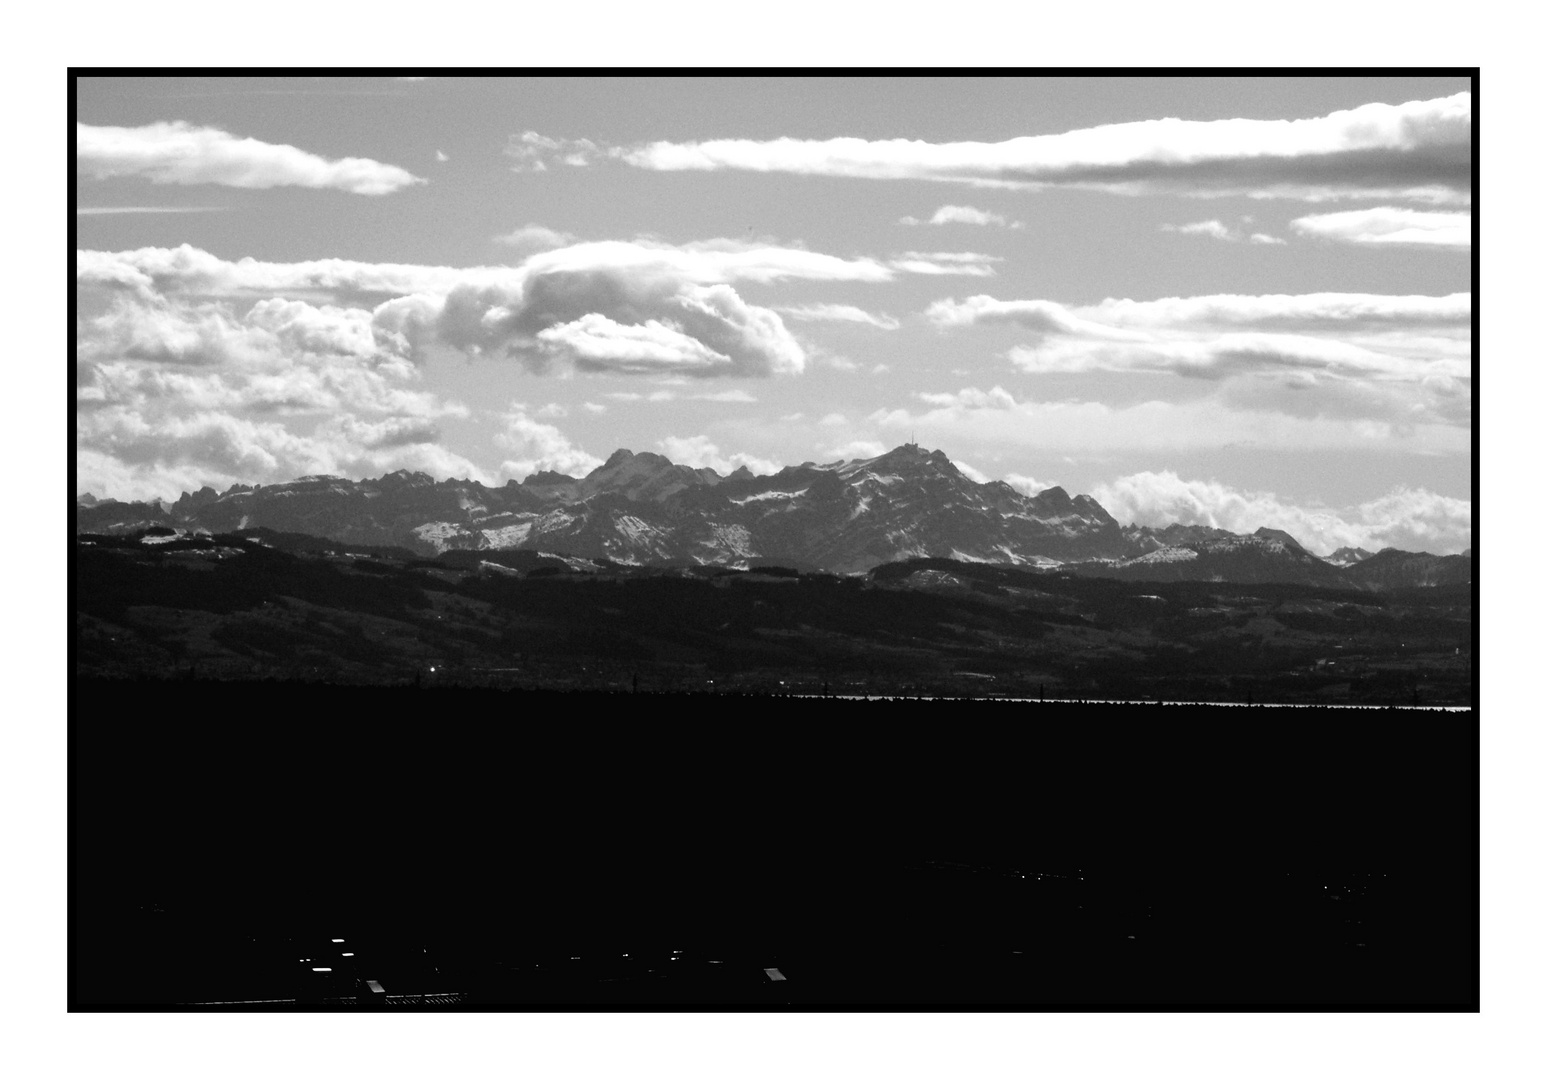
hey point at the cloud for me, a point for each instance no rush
(968, 263)
(175, 389)
(972, 398)
(441, 155)
(1393, 225)
(739, 397)
(529, 151)
(179, 153)
(1414, 151)
(629, 307)
(838, 313)
(711, 262)
(596, 343)
(975, 475)
(857, 450)
(533, 237)
(1226, 355)
(1217, 229)
(1027, 485)
(1407, 358)
(698, 452)
(1220, 231)
(963, 215)
(1406, 518)
(997, 419)
(538, 447)
(1335, 312)
(186, 269)
(133, 455)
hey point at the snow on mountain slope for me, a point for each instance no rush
(843, 516)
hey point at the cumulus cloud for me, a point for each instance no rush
(1393, 225)
(1414, 151)
(1406, 518)
(1264, 238)
(179, 153)
(839, 313)
(596, 343)
(698, 452)
(963, 215)
(538, 447)
(139, 454)
(174, 388)
(630, 307)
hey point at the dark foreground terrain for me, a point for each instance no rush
(517, 849)
(296, 607)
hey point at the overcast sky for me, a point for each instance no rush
(1235, 301)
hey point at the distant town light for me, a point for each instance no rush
(337, 940)
(346, 954)
(322, 969)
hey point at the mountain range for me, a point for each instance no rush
(841, 517)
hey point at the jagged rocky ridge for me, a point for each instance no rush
(842, 517)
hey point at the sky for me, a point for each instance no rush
(1239, 301)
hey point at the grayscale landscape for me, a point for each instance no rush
(773, 542)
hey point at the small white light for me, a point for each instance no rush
(346, 954)
(337, 940)
(322, 969)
